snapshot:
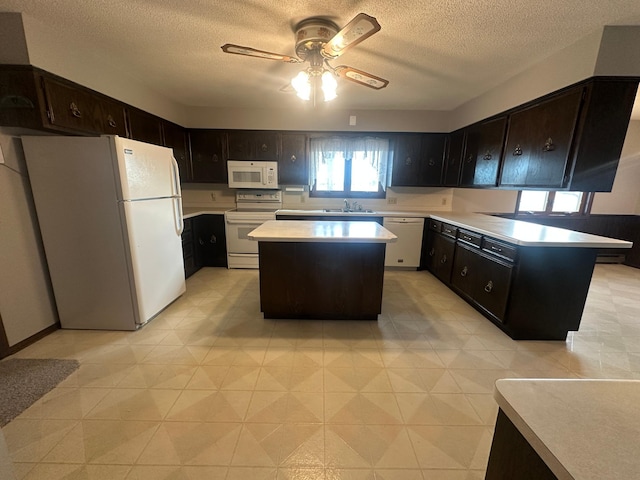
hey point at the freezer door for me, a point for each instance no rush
(146, 171)
(153, 230)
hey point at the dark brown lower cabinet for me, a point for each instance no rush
(334, 280)
(203, 243)
(483, 279)
(529, 292)
(513, 457)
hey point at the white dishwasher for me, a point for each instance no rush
(405, 252)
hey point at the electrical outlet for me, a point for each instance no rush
(213, 197)
(392, 200)
(444, 201)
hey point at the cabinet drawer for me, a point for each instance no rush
(503, 250)
(434, 225)
(449, 230)
(471, 238)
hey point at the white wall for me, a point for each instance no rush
(624, 198)
(484, 201)
(26, 298)
(12, 39)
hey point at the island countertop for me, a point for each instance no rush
(318, 231)
(582, 429)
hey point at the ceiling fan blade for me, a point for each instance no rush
(360, 28)
(252, 52)
(360, 77)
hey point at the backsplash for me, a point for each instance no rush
(398, 199)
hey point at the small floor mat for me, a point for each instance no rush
(24, 380)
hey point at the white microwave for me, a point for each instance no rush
(246, 174)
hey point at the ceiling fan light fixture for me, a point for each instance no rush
(329, 86)
(301, 85)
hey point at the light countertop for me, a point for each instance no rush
(527, 234)
(582, 429)
(189, 212)
(364, 213)
(312, 231)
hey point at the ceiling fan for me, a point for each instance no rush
(319, 40)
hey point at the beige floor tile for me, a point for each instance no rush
(211, 390)
(191, 443)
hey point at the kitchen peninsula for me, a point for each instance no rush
(322, 270)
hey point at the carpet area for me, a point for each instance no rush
(24, 380)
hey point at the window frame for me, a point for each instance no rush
(347, 192)
(585, 206)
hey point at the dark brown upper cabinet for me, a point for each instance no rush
(145, 127)
(71, 107)
(293, 166)
(175, 137)
(114, 118)
(483, 153)
(208, 162)
(418, 160)
(571, 140)
(252, 145)
(453, 158)
(539, 140)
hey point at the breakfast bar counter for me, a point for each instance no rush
(321, 270)
(575, 429)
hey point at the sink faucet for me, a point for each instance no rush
(347, 207)
(356, 207)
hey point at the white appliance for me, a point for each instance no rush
(252, 210)
(246, 174)
(405, 252)
(110, 213)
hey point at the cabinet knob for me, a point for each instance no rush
(470, 158)
(444, 259)
(264, 147)
(213, 239)
(214, 157)
(432, 162)
(432, 252)
(200, 241)
(464, 272)
(293, 158)
(488, 287)
(407, 161)
(112, 123)
(75, 111)
(487, 156)
(548, 145)
(517, 151)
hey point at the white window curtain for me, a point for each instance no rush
(326, 150)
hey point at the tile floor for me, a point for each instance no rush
(210, 390)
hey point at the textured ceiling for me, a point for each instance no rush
(436, 54)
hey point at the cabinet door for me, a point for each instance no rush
(113, 118)
(432, 158)
(145, 127)
(483, 279)
(210, 240)
(453, 158)
(483, 152)
(70, 107)
(442, 259)
(207, 160)
(188, 248)
(293, 163)
(250, 145)
(539, 141)
(406, 160)
(175, 137)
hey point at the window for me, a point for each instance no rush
(348, 166)
(538, 202)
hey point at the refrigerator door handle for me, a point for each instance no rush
(177, 200)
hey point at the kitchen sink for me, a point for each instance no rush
(342, 210)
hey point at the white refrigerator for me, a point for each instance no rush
(110, 213)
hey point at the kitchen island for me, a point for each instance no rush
(321, 270)
(566, 429)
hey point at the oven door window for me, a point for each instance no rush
(237, 240)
